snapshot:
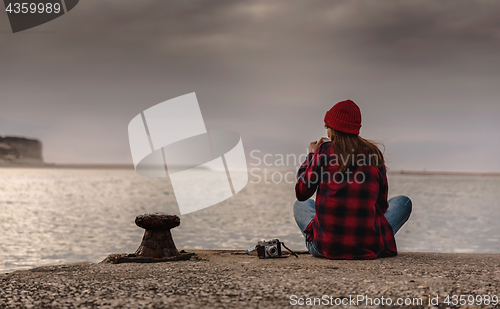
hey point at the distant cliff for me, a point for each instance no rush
(20, 151)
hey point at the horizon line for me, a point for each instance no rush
(131, 166)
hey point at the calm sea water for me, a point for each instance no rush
(53, 216)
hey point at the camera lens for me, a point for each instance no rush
(272, 251)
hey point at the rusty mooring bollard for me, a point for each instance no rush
(157, 241)
(157, 244)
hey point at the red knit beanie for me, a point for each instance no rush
(344, 116)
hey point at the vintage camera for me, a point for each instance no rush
(269, 249)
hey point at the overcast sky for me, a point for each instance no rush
(426, 75)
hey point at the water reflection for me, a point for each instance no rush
(53, 216)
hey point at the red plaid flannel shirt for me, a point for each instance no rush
(349, 222)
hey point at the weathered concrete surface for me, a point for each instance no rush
(218, 280)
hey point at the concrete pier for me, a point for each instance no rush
(219, 279)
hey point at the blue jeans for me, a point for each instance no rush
(397, 214)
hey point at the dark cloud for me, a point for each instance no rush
(422, 72)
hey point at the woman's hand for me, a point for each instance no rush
(313, 146)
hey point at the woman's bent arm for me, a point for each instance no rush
(383, 190)
(308, 177)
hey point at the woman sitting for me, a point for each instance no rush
(351, 217)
